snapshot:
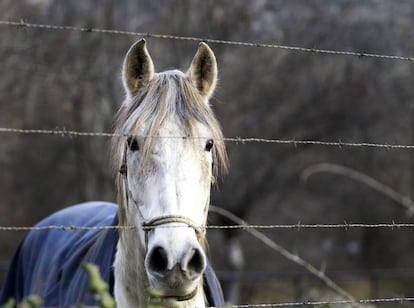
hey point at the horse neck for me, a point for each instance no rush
(131, 282)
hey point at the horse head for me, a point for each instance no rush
(168, 148)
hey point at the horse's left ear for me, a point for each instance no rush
(138, 68)
(203, 70)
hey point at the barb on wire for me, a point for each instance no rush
(23, 24)
(294, 142)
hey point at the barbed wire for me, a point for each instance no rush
(349, 299)
(312, 303)
(71, 133)
(315, 303)
(298, 226)
(59, 132)
(23, 24)
(333, 302)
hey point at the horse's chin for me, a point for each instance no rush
(179, 296)
(178, 288)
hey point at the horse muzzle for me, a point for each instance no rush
(176, 285)
(176, 277)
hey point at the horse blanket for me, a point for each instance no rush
(48, 262)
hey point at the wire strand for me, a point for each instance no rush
(23, 24)
(241, 140)
(334, 302)
(289, 255)
(298, 226)
(345, 226)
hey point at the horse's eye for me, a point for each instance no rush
(132, 143)
(209, 145)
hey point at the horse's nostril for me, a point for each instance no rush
(158, 260)
(196, 263)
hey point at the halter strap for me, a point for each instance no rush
(168, 219)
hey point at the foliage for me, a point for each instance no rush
(98, 287)
(10, 303)
(156, 300)
(32, 301)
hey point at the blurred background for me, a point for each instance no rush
(70, 80)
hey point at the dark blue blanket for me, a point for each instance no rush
(48, 262)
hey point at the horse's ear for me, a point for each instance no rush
(203, 70)
(138, 68)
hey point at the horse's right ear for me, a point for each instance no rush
(138, 68)
(203, 71)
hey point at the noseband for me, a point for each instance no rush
(153, 223)
(169, 219)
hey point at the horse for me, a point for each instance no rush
(167, 150)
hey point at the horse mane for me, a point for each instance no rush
(168, 93)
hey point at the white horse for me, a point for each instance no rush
(166, 172)
(164, 146)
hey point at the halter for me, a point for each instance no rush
(169, 219)
(151, 224)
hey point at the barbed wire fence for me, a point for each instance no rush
(23, 24)
(252, 229)
(240, 224)
(339, 144)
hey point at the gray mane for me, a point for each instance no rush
(168, 93)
